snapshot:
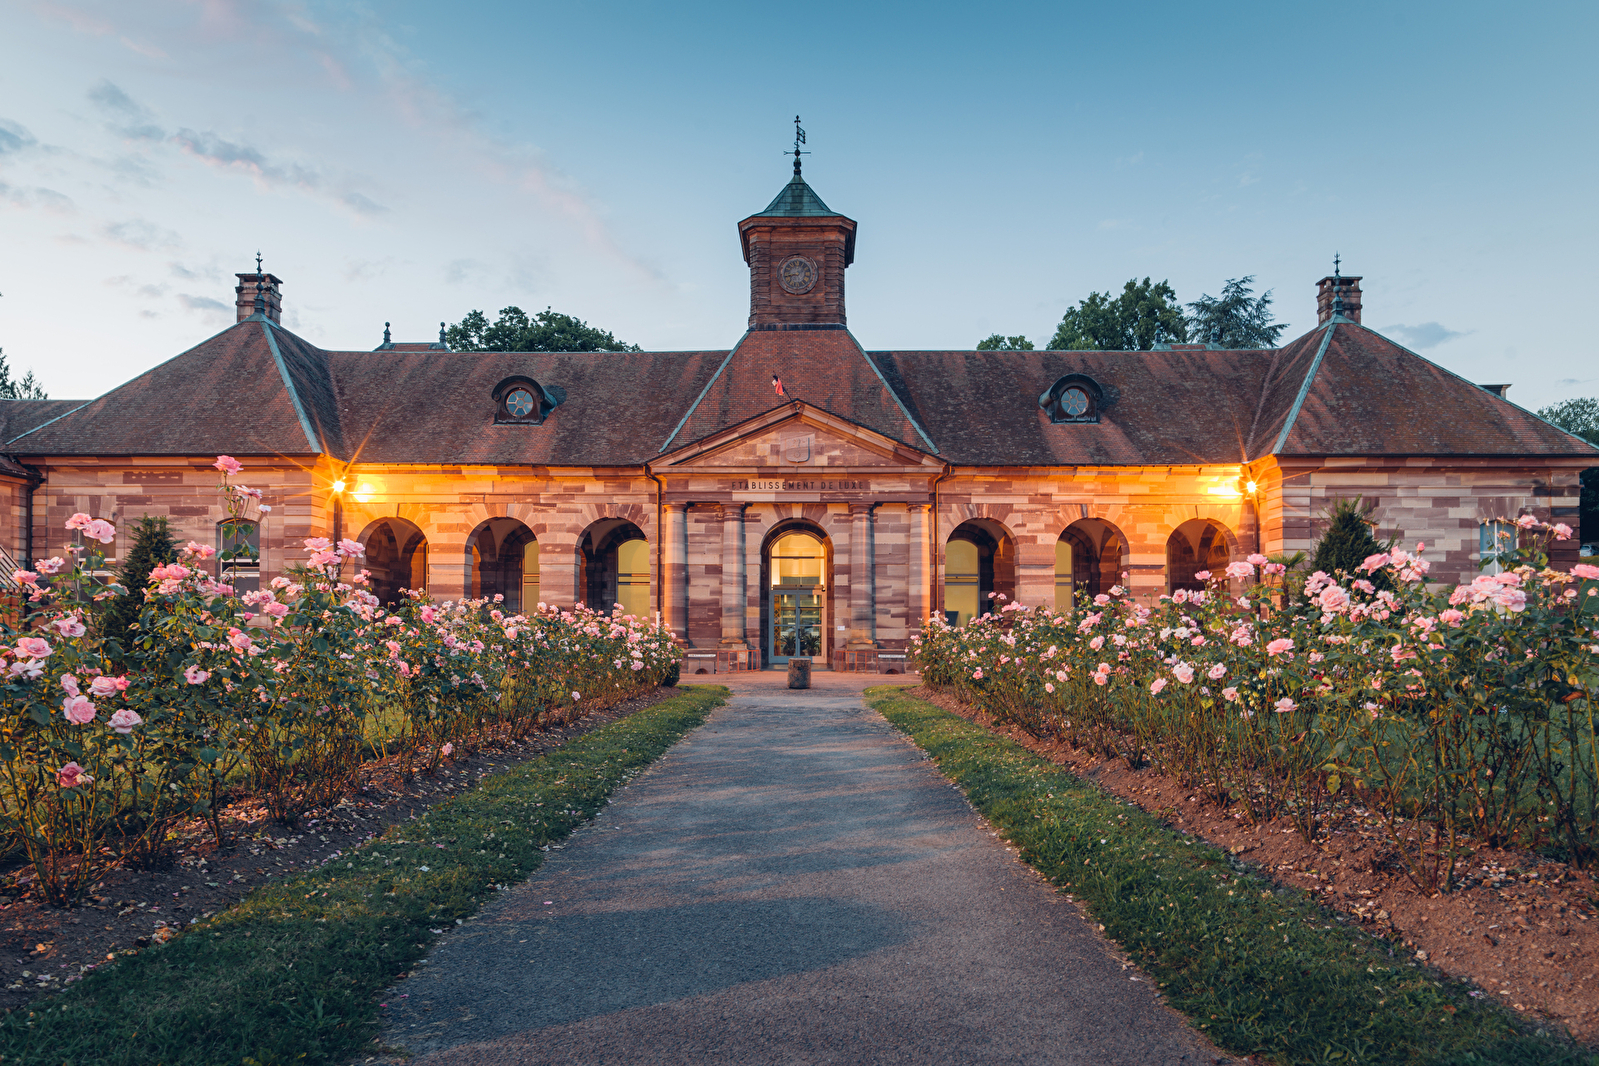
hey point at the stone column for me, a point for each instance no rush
(754, 523)
(863, 610)
(674, 570)
(919, 593)
(733, 591)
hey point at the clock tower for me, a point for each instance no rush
(797, 250)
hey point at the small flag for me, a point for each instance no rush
(777, 385)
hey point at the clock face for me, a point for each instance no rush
(519, 403)
(797, 274)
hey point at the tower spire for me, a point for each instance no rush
(1338, 289)
(260, 292)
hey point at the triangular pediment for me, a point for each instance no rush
(798, 437)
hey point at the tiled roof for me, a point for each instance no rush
(797, 200)
(256, 389)
(823, 367)
(226, 394)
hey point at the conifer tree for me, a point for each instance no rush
(153, 546)
(1348, 541)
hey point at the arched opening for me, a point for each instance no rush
(979, 568)
(1199, 544)
(1091, 552)
(396, 558)
(502, 558)
(796, 567)
(614, 562)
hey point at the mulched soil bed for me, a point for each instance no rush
(43, 949)
(1523, 928)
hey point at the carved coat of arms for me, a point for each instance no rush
(798, 449)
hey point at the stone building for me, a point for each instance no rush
(796, 494)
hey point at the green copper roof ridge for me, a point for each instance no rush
(1304, 388)
(288, 383)
(801, 208)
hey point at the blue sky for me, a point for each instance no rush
(410, 161)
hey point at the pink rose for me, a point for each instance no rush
(1586, 572)
(228, 464)
(351, 547)
(71, 776)
(977, 675)
(124, 721)
(196, 676)
(577, 695)
(33, 648)
(321, 559)
(79, 521)
(1333, 599)
(1285, 706)
(1049, 686)
(1183, 672)
(52, 565)
(1374, 562)
(103, 686)
(1562, 531)
(317, 544)
(1451, 617)
(25, 577)
(1526, 521)
(78, 709)
(101, 530)
(194, 547)
(239, 639)
(69, 626)
(1230, 694)
(69, 684)
(429, 614)
(1201, 575)
(1277, 647)
(1217, 672)
(1159, 683)
(1240, 570)
(447, 750)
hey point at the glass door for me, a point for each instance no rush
(796, 625)
(796, 622)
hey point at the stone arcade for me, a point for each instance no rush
(797, 494)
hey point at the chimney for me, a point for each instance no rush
(244, 302)
(1497, 390)
(1349, 287)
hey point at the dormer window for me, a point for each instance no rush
(1074, 398)
(523, 401)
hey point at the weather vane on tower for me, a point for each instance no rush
(799, 139)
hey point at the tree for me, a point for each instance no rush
(995, 343)
(26, 389)
(515, 331)
(1581, 416)
(1348, 541)
(1233, 320)
(153, 546)
(1144, 315)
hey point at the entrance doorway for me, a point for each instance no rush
(796, 597)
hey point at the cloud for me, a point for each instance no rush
(360, 204)
(1425, 335)
(36, 196)
(219, 152)
(204, 304)
(145, 236)
(463, 270)
(128, 281)
(1567, 383)
(130, 118)
(14, 137)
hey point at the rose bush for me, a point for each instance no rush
(283, 691)
(1448, 713)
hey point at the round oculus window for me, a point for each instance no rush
(1074, 403)
(519, 404)
(797, 275)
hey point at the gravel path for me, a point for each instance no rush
(793, 882)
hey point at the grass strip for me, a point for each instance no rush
(293, 972)
(1261, 970)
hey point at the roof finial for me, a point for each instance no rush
(1338, 288)
(260, 297)
(799, 139)
(441, 333)
(386, 339)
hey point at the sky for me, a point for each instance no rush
(409, 162)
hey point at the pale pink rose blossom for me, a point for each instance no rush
(25, 577)
(1285, 706)
(70, 626)
(71, 776)
(1562, 531)
(124, 721)
(33, 648)
(101, 530)
(106, 686)
(53, 565)
(1258, 559)
(1585, 571)
(1217, 672)
(1280, 645)
(1240, 570)
(577, 695)
(1374, 562)
(240, 639)
(79, 521)
(78, 709)
(228, 464)
(1526, 521)
(447, 750)
(196, 676)
(1048, 687)
(1183, 672)
(977, 674)
(318, 544)
(69, 685)
(1201, 575)
(1158, 684)
(194, 547)
(351, 547)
